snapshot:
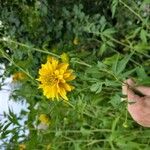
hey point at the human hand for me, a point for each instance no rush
(138, 107)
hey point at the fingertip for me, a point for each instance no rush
(132, 97)
(130, 82)
(145, 90)
(125, 86)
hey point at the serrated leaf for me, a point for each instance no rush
(141, 73)
(102, 49)
(101, 65)
(111, 83)
(122, 64)
(142, 47)
(110, 43)
(113, 7)
(108, 32)
(85, 131)
(115, 101)
(126, 74)
(96, 87)
(143, 35)
(114, 66)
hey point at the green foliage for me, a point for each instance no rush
(112, 44)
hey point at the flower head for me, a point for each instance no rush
(76, 41)
(18, 76)
(43, 118)
(54, 77)
(22, 146)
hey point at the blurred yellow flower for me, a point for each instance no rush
(48, 147)
(65, 57)
(22, 146)
(76, 41)
(43, 118)
(18, 76)
(54, 77)
(54, 49)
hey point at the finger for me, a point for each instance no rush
(132, 97)
(144, 90)
(130, 82)
(124, 88)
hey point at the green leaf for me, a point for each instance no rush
(76, 146)
(147, 1)
(96, 87)
(85, 132)
(141, 73)
(115, 63)
(115, 101)
(114, 5)
(122, 64)
(126, 74)
(142, 47)
(143, 35)
(109, 32)
(111, 83)
(110, 43)
(110, 60)
(101, 65)
(102, 49)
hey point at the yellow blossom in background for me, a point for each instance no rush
(22, 146)
(48, 147)
(43, 118)
(53, 77)
(76, 41)
(54, 49)
(64, 57)
(18, 76)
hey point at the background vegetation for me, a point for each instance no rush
(106, 41)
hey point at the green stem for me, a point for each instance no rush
(136, 14)
(11, 61)
(29, 47)
(82, 63)
(128, 46)
(42, 51)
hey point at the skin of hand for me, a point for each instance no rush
(138, 107)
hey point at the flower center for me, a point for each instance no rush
(55, 78)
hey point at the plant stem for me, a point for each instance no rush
(136, 14)
(11, 61)
(25, 45)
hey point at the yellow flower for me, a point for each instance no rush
(64, 57)
(48, 147)
(44, 119)
(18, 76)
(22, 146)
(54, 77)
(76, 41)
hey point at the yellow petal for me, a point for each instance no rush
(70, 78)
(67, 87)
(53, 79)
(62, 93)
(63, 67)
(54, 63)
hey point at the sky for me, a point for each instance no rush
(6, 103)
(5, 92)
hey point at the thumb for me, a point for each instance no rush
(132, 97)
(144, 90)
